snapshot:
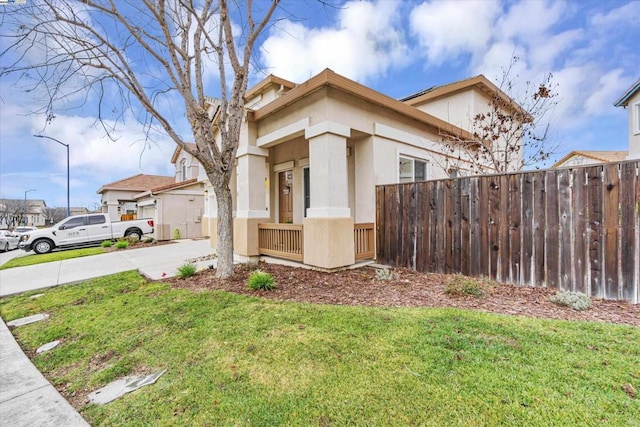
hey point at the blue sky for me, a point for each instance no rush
(395, 47)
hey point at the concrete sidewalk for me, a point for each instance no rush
(26, 397)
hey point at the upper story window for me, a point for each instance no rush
(412, 170)
(636, 118)
(183, 170)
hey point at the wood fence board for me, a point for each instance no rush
(565, 231)
(448, 215)
(475, 244)
(580, 240)
(465, 251)
(494, 229)
(515, 228)
(610, 211)
(527, 230)
(441, 243)
(485, 247)
(504, 225)
(594, 203)
(629, 199)
(433, 226)
(539, 248)
(552, 236)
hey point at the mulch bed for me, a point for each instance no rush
(410, 289)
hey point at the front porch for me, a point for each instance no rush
(287, 241)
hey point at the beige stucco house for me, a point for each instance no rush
(310, 156)
(630, 100)
(15, 212)
(174, 202)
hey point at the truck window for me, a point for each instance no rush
(96, 219)
(73, 222)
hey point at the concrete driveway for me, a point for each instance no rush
(154, 262)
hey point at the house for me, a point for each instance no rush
(14, 212)
(630, 100)
(582, 158)
(175, 203)
(310, 156)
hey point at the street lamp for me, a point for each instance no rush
(26, 207)
(66, 145)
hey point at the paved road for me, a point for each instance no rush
(26, 397)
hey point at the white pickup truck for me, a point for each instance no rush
(82, 230)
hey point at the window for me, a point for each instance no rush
(412, 170)
(73, 223)
(183, 170)
(96, 219)
(636, 118)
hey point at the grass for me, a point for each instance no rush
(238, 360)
(50, 257)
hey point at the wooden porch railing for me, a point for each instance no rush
(286, 241)
(363, 235)
(281, 240)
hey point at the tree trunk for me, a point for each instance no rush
(225, 230)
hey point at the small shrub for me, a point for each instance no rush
(122, 244)
(187, 269)
(148, 240)
(386, 274)
(133, 240)
(261, 280)
(460, 285)
(575, 300)
(106, 244)
(176, 234)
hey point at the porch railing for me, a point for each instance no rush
(286, 241)
(363, 235)
(281, 240)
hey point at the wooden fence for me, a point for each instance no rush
(572, 229)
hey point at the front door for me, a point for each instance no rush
(285, 198)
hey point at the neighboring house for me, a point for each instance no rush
(174, 203)
(310, 156)
(582, 158)
(630, 100)
(15, 212)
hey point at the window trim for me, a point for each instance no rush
(635, 118)
(413, 160)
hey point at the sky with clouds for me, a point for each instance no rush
(395, 47)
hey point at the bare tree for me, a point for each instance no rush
(13, 212)
(509, 135)
(154, 54)
(53, 215)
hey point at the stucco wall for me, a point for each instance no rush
(634, 133)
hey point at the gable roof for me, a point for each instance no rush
(334, 80)
(267, 81)
(168, 187)
(140, 182)
(480, 82)
(601, 156)
(623, 101)
(178, 150)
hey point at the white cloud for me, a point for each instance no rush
(448, 29)
(365, 43)
(608, 88)
(528, 20)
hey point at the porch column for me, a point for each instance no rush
(251, 196)
(328, 227)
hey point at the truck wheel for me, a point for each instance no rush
(42, 246)
(134, 233)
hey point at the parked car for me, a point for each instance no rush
(9, 240)
(83, 230)
(24, 229)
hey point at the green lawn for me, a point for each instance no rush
(237, 360)
(33, 259)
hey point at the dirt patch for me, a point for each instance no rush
(409, 289)
(140, 245)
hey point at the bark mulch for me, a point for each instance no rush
(409, 289)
